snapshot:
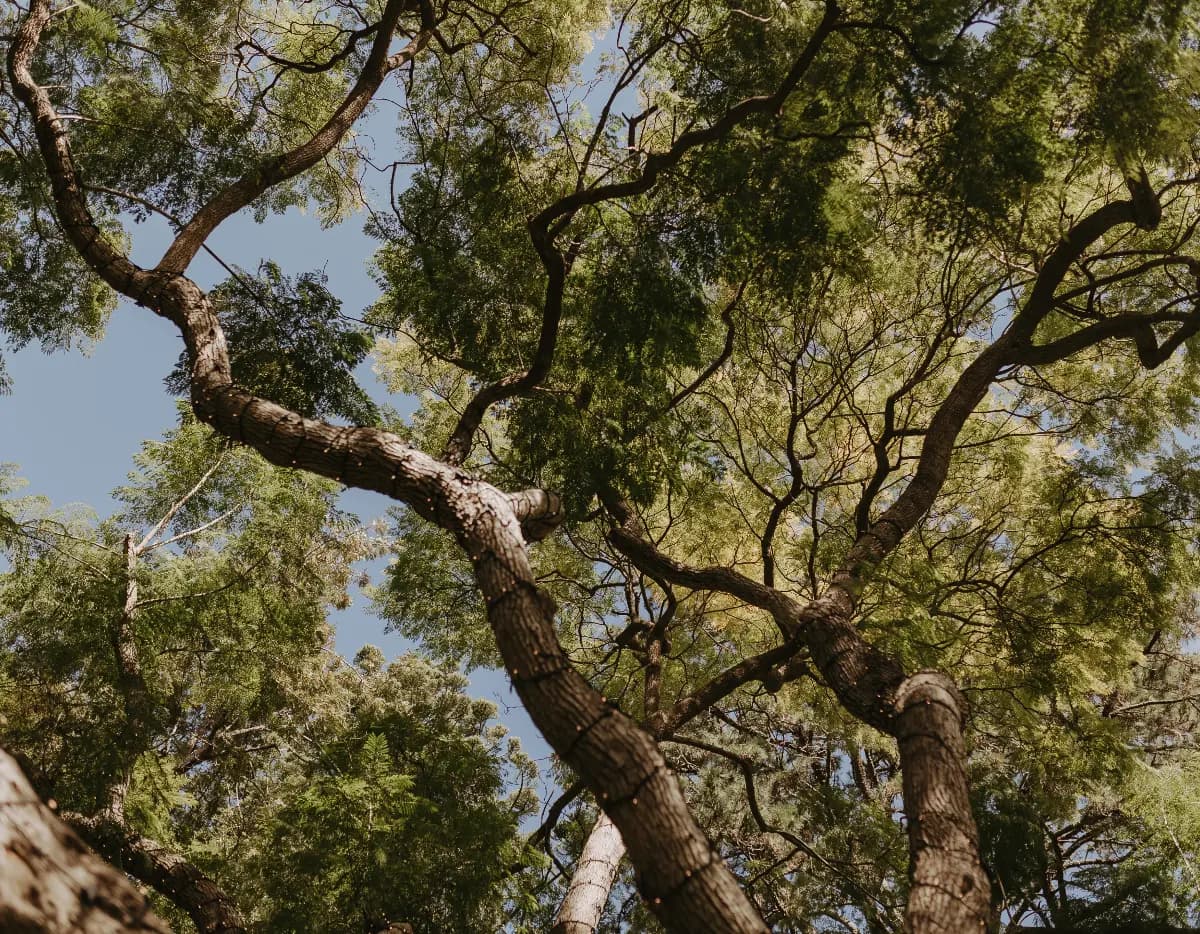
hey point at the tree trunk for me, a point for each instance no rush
(132, 684)
(925, 713)
(950, 894)
(593, 880)
(51, 883)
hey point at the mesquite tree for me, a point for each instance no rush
(847, 343)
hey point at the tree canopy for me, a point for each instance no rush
(805, 414)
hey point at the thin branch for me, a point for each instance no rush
(379, 65)
(198, 529)
(178, 505)
(549, 223)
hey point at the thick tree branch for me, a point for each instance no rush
(539, 512)
(288, 165)
(881, 538)
(168, 873)
(683, 879)
(1136, 328)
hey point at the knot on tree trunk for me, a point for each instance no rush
(926, 688)
(539, 512)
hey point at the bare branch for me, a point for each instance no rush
(178, 505)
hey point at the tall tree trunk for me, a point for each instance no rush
(132, 685)
(950, 891)
(593, 880)
(685, 882)
(50, 882)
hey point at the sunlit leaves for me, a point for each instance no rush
(393, 800)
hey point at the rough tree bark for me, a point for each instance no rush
(167, 872)
(595, 872)
(924, 712)
(50, 882)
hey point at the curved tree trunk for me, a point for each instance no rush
(683, 879)
(593, 880)
(924, 712)
(50, 882)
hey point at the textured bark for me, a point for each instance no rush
(875, 688)
(950, 890)
(593, 880)
(685, 882)
(925, 713)
(50, 882)
(212, 911)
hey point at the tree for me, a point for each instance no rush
(206, 740)
(843, 381)
(430, 838)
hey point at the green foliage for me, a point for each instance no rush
(460, 267)
(341, 829)
(321, 796)
(391, 830)
(290, 342)
(430, 594)
(750, 352)
(227, 612)
(47, 294)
